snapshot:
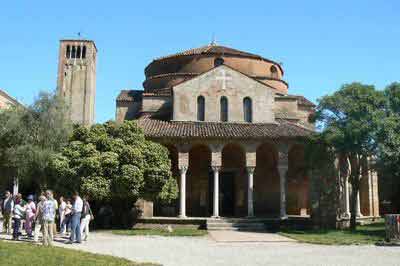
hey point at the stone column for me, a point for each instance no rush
(182, 207)
(250, 190)
(358, 208)
(346, 198)
(216, 170)
(283, 166)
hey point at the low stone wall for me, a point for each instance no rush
(163, 223)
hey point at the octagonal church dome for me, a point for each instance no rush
(167, 71)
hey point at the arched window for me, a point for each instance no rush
(84, 52)
(68, 52)
(247, 110)
(274, 72)
(78, 52)
(200, 108)
(224, 109)
(73, 54)
(218, 61)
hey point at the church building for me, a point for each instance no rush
(232, 129)
(231, 126)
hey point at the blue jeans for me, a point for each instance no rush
(17, 224)
(76, 227)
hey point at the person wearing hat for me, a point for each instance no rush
(29, 215)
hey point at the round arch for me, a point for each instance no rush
(266, 181)
(298, 185)
(198, 183)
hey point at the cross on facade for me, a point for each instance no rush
(224, 78)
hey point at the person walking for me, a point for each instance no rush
(18, 215)
(61, 213)
(7, 208)
(39, 217)
(30, 211)
(77, 208)
(49, 214)
(87, 216)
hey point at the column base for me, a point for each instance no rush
(216, 217)
(283, 217)
(250, 216)
(182, 216)
(346, 215)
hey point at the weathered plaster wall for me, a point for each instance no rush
(212, 87)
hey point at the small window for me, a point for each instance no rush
(218, 61)
(224, 109)
(84, 52)
(73, 54)
(200, 108)
(78, 52)
(274, 72)
(247, 110)
(68, 52)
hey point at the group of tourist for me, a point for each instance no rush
(40, 217)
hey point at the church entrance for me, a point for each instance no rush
(227, 194)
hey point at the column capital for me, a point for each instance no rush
(250, 169)
(183, 169)
(216, 168)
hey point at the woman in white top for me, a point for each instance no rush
(61, 211)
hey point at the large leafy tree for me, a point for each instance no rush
(350, 118)
(114, 163)
(389, 144)
(30, 136)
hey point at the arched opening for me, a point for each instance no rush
(73, 53)
(298, 186)
(78, 52)
(171, 209)
(274, 72)
(84, 52)
(218, 61)
(68, 52)
(200, 108)
(247, 110)
(233, 182)
(224, 109)
(266, 182)
(198, 196)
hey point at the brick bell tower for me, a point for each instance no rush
(77, 79)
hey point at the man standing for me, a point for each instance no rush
(8, 208)
(76, 219)
(49, 214)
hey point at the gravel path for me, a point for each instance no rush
(201, 251)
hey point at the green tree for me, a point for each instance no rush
(114, 163)
(350, 118)
(30, 136)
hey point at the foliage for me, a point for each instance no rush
(13, 254)
(30, 136)
(114, 162)
(350, 118)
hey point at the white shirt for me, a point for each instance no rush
(62, 207)
(78, 205)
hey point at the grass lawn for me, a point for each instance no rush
(162, 232)
(364, 235)
(35, 255)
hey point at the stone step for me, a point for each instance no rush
(219, 224)
(235, 224)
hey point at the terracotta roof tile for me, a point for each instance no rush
(179, 129)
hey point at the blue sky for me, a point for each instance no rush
(322, 44)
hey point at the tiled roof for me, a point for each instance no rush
(300, 99)
(179, 129)
(213, 49)
(129, 95)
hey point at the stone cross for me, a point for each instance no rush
(224, 78)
